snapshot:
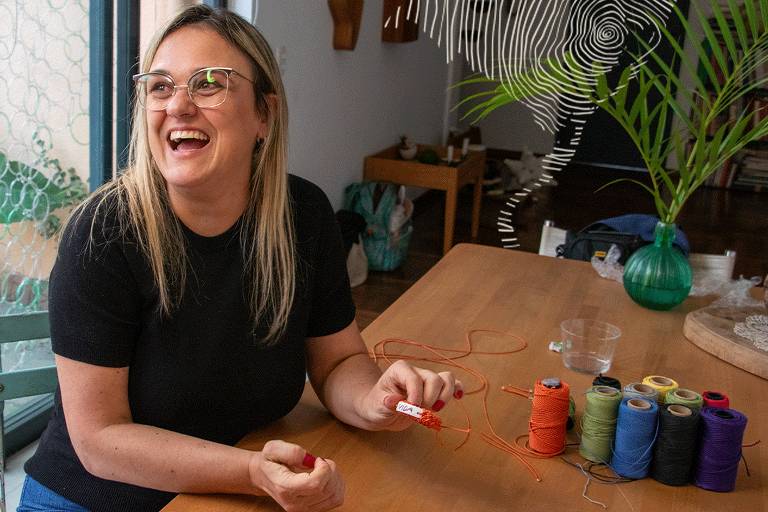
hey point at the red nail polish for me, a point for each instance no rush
(309, 460)
(459, 393)
(438, 405)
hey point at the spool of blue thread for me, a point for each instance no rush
(635, 435)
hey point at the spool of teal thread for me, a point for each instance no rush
(640, 390)
(635, 435)
(598, 423)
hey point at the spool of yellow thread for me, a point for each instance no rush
(661, 384)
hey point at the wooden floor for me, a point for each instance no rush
(714, 220)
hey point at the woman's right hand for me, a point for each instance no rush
(295, 479)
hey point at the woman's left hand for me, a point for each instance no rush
(402, 381)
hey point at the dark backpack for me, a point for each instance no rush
(595, 240)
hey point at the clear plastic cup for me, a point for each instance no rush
(588, 345)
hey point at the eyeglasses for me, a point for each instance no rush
(207, 88)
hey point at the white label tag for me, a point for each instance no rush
(409, 409)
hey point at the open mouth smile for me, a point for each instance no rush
(186, 140)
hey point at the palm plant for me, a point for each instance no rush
(723, 72)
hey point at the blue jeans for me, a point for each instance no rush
(35, 497)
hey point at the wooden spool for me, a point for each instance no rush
(605, 391)
(685, 394)
(662, 381)
(639, 403)
(644, 389)
(679, 410)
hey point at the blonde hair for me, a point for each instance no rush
(267, 231)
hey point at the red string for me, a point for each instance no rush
(721, 402)
(450, 357)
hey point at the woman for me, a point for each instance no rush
(192, 293)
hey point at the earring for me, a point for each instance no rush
(259, 144)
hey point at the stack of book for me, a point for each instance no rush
(753, 170)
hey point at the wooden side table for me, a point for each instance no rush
(387, 166)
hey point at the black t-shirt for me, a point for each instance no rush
(201, 371)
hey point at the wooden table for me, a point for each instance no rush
(526, 294)
(388, 166)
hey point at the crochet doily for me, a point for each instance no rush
(755, 329)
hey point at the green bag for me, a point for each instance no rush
(385, 250)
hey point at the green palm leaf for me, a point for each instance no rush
(728, 48)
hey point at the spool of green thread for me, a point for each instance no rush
(598, 423)
(686, 397)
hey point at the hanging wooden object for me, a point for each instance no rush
(395, 27)
(346, 16)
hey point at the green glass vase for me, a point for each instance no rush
(658, 276)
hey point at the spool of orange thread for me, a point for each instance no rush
(549, 416)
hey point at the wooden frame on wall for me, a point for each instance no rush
(346, 16)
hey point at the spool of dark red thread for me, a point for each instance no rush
(716, 399)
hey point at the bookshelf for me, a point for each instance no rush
(751, 171)
(748, 169)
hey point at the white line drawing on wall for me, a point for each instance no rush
(518, 41)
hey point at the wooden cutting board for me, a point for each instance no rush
(711, 329)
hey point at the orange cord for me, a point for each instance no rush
(430, 420)
(549, 416)
(427, 417)
(439, 356)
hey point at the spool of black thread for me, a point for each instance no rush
(675, 449)
(604, 380)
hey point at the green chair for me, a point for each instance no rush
(22, 383)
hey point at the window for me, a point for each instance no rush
(56, 126)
